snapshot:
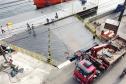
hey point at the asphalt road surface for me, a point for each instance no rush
(67, 35)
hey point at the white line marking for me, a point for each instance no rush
(64, 64)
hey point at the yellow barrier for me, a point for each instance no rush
(91, 28)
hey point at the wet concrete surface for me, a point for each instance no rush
(67, 35)
(39, 44)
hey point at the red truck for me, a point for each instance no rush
(42, 3)
(85, 72)
(98, 60)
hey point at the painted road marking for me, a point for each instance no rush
(64, 64)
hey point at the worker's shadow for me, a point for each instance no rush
(32, 32)
(118, 80)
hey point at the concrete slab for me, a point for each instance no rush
(35, 71)
(67, 35)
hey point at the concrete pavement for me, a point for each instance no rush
(35, 71)
(39, 17)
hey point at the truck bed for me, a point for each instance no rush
(116, 56)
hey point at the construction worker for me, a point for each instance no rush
(52, 21)
(56, 16)
(32, 27)
(28, 26)
(94, 35)
(47, 20)
(2, 31)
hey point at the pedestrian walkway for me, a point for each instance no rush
(39, 17)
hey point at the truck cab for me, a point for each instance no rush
(84, 72)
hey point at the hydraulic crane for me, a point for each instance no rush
(100, 59)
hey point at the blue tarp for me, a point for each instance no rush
(119, 8)
(83, 1)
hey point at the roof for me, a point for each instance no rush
(86, 66)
